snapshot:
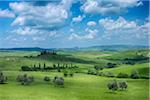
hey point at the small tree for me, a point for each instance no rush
(135, 74)
(123, 84)
(113, 85)
(3, 78)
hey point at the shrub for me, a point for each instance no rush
(122, 75)
(47, 79)
(135, 74)
(3, 78)
(59, 81)
(122, 84)
(113, 85)
(65, 73)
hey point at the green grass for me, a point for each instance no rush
(79, 87)
(143, 69)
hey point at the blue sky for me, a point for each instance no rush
(73, 23)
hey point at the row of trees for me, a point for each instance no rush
(108, 65)
(26, 80)
(134, 74)
(136, 59)
(43, 53)
(43, 67)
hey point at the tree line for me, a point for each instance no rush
(44, 67)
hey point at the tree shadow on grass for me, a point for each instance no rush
(111, 92)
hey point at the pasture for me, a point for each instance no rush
(81, 86)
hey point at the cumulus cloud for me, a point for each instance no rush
(108, 6)
(120, 23)
(6, 13)
(91, 34)
(41, 17)
(123, 28)
(91, 23)
(78, 18)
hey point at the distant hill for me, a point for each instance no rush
(108, 48)
(118, 47)
(92, 48)
(24, 49)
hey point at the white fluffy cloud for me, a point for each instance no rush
(41, 17)
(108, 6)
(120, 23)
(124, 28)
(91, 34)
(91, 23)
(78, 18)
(6, 13)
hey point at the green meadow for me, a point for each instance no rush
(81, 86)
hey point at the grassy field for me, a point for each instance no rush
(80, 87)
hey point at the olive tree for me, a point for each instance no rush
(24, 79)
(58, 81)
(122, 85)
(135, 74)
(113, 85)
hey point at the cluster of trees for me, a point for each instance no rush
(108, 65)
(135, 59)
(43, 53)
(96, 72)
(57, 67)
(57, 80)
(3, 78)
(115, 85)
(96, 69)
(48, 53)
(134, 74)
